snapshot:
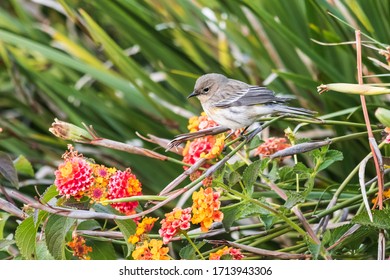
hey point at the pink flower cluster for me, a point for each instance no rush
(73, 176)
(174, 222)
(124, 184)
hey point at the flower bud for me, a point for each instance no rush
(383, 115)
(353, 89)
(69, 131)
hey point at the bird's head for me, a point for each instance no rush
(207, 85)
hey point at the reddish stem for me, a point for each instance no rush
(367, 119)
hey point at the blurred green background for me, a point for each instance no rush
(127, 66)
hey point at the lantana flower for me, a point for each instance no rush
(74, 176)
(151, 250)
(144, 227)
(99, 190)
(79, 248)
(124, 184)
(176, 221)
(208, 147)
(235, 253)
(205, 208)
(271, 146)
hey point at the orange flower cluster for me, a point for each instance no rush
(208, 147)
(271, 146)
(235, 253)
(77, 177)
(205, 208)
(144, 227)
(151, 250)
(79, 248)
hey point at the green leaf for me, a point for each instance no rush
(188, 252)
(293, 198)
(49, 193)
(314, 248)
(234, 178)
(42, 252)
(229, 216)
(56, 230)
(251, 209)
(7, 169)
(250, 175)
(383, 115)
(89, 225)
(331, 157)
(268, 220)
(23, 166)
(381, 219)
(101, 250)
(25, 237)
(3, 219)
(127, 227)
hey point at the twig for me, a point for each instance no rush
(375, 152)
(261, 252)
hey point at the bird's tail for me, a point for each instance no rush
(296, 111)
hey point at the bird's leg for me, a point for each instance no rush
(230, 134)
(248, 137)
(245, 129)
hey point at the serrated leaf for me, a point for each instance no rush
(250, 209)
(188, 252)
(234, 178)
(273, 175)
(49, 193)
(23, 166)
(101, 250)
(56, 230)
(25, 237)
(381, 219)
(313, 248)
(127, 227)
(5, 243)
(292, 199)
(250, 175)
(268, 220)
(331, 157)
(353, 241)
(7, 169)
(42, 252)
(229, 216)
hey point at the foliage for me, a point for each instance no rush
(125, 68)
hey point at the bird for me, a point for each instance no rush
(235, 104)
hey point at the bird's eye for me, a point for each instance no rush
(206, 89)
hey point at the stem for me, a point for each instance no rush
(135, 198)
(193, 244)
(378, 168)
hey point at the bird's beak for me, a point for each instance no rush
(192, 94)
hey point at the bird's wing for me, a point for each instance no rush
(252, 95)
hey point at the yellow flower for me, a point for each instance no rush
(144, 227)
(152, 250)
(205, 208)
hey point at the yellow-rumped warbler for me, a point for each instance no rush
(235, 104)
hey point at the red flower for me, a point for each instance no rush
(124, 184)
(74, 175)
